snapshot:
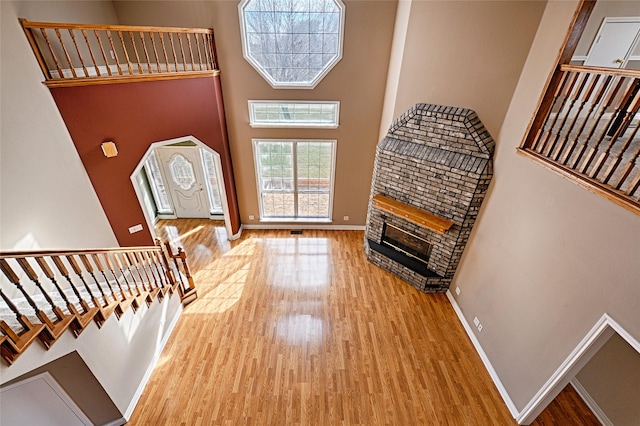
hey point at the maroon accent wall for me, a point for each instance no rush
(134, 115)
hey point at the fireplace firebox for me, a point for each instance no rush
(405, 248)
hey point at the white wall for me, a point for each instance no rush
(547, 258)
(46, 198)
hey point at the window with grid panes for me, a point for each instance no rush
(295, 178)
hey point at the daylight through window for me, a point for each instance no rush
(292, 44)
(295, 178)
(294, 114)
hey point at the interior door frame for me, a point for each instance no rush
(223, 190)
(611, 20)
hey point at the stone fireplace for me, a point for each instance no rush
(430, 176)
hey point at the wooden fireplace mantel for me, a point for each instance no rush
(412, 214)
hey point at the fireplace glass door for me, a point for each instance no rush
(409, 244)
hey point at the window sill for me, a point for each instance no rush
(294, 220)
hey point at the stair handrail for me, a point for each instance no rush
(97, 283)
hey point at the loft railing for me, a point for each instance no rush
(590, 131)
(46, 293)
(84, 54)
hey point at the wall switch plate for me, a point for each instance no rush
(458, 291)
(346, 218)
(136, 228)
(251, 217)
(479, 327)
(476, 321)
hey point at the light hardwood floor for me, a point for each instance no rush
(301, 329)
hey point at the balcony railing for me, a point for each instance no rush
(590, 133)
(45, 293)
(85, 54)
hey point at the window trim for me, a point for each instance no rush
(254, 122)
(334, 144)
(291, 85)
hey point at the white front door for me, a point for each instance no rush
(182, 167)
(614, 42)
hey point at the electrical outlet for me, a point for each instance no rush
(135, 228)
(476, 321)
(458, 291)
(479, 327)
(113, 55)
(251, 217)
(346, 218)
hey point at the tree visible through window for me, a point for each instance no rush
(295, 178)
(292, 43)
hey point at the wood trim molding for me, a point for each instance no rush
(128, 78)
(413, 214)
(591, 185)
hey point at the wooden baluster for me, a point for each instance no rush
(609, 99)
(190, 293)
(567, 79)
(168, 272)
(45, 335)
(164, 51)
(586, 94)
(568, 98)
(596, 101)
(113, 51)
(137, 296)
(125, 302)
(584, 167)
(184, 61)
(62, 322)
(140, 260)
(635, 184)
(613, 167)
(53, 54)
(160, 261)
(133, 265)
(191, 59)
(206, 47)
(93, 58)
(17, 342)
(214, 55)
(36, 49)
(177, 267)
(195, 36)
(78, 271)
(173, 51)
(135, 51)
(104, 54)
(126, 53)
(583, 77)
(155, 51)
(624, 175)
(101, 268)
(108, 307)
(156, 271)
(146, 53)
(75, 44)
(88, 313)
(80, 320)
(66, 54)
(628, 116)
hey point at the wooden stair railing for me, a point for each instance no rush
(76, 54)
(70, 289)
(589, 131)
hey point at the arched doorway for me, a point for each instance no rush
(181, 178)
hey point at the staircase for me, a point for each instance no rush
(45, 293)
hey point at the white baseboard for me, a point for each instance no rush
(152, 365)
(593, 406)
(485, 360)
(305, 226)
